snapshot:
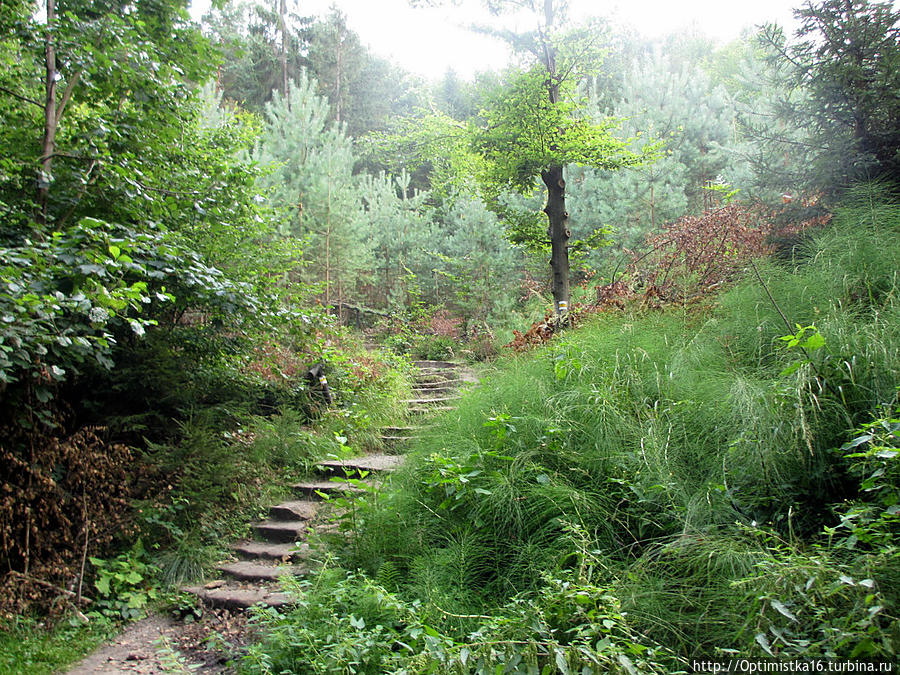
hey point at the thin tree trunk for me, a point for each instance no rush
(328, 246)
(338, 103)
(48, 143)
(282, 24)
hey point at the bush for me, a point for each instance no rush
(345, 621)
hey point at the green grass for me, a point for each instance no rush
(27, 647)
(688, 464)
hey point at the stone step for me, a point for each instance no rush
(438, 380)
(436, 374)
(281, 531)
(293, 510)
(393, 440)
(422, 410)
(399, 431)
(367, 463)
(429, 401)
(247, 570)
(239, 598)
(312, 489)
(448, 385)
(442, 365)
(270, 551)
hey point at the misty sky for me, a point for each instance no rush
(428, 41)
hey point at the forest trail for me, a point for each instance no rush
(281, 546)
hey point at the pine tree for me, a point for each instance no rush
(312, 185)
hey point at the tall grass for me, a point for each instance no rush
(688, 462)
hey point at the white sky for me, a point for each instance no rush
(428, 41)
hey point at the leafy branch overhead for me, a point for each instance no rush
(522, 133)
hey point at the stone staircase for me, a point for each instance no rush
(280, 545)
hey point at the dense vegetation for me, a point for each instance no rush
(651, 487)
(706, 464)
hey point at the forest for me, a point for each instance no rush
(232, 250)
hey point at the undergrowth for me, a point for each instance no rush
(695, 472)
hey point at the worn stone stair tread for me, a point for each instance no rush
(326, 528)
(364, 463)
(397, 438)
(313, 488)
(281, 531)
(439, 381)
(436, 363)
(433, 399)
(269, 550)
(301, 509)
(429, 409)
(246, 570)
(230, 597)
(436, 376)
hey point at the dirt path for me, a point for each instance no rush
(159, 644)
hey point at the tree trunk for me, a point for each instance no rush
(282, 24)
(48, 142)
(338, 103)
(328, 246)
(558, 230)
(559, 234)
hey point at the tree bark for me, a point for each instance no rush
(559, 234)
(48, 142)
(553, 178)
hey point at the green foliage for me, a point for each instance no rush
(70, 298)
(873, 522)
(125, 585)
(672, 459)
(259, 46)
(837, 93)
(476, 271)
(312, 186)
(813, 605)
(807, 339)
(346, 621)
(31, 647)
(283, 442)
(522, 132)
(401, 230)
(673, 104)
(111, 146)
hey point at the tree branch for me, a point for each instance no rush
(22, 98)
(67, 94)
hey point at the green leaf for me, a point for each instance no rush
(102, 584)
(560, 659)
(779, 606)
(763, 642)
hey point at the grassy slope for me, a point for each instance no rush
(662, 463)
(660, 441)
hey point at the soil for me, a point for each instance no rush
(159, 644)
